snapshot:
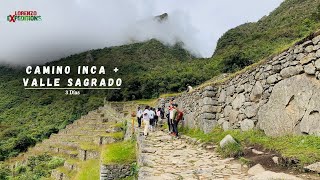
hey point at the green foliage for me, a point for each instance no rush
(231, 150)
(291, 21)
(119, 153)
(37, 167)
(306, 149)
(4, 172)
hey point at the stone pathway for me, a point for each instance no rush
(165, 158)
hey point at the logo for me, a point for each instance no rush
(24, 16)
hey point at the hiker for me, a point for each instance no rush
(146, 120)
(177, 116)
(158, 115)
(168, 118)
(162, 112)
(189, 88)
(139, 116)
(170, 108)
(151, 115)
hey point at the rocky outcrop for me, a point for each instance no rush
(291, 107)
(279, 96)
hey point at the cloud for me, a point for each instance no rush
(74, 26)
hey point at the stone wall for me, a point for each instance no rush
(280, 96)
(117, 171)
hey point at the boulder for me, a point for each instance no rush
(211, 109)
(310, 57)
(247, 125)
(228, 139)
(233, 116)
(230, 90)
(256, 92)
(310, 69)
(313, 167)
(208, 125)
(291, 71)
(225, 125)
(208, 116)
(209, 88)
(257, 152)
(251, 111)
(315, 40)
(272, 79)
(307, 43)
(318, 54)
(317, 64)
(209, 94)
(269, 175)
(238, 101)
(309, 49)
(288, 104)
(275, 159)
(227, 110)
(222, 97)
(240, 89)
(310, 123)
(256, 169)
(209, 101)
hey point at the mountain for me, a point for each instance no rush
(251, 42)
(146, 68)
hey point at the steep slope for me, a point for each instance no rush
(251, 42)
(147, 69)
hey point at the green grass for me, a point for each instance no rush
(89, 146)
(89, 170)
(119, 153)
(306, 149)
(116, 135)
(150, 102)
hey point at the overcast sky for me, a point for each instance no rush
(72, 26)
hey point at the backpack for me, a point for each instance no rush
(179, 116)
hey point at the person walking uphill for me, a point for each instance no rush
(139, 116)
(146, 120)
(177, 116)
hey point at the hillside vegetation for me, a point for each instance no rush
(251, 42)
(148, 69)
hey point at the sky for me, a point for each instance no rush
(73, 26)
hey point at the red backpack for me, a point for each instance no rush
(179, 116)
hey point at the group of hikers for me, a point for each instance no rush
(150, 117)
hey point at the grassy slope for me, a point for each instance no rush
(148, 69)
(28, 116)
(251, 42)
(306, 149)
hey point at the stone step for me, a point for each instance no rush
(71, 164)
(72, 138)
(93, 126)
(62, 173)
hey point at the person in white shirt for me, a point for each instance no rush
(146, 120)
(151, 115)
(139, 116)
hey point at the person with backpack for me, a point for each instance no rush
(146, 120)
(139, 116)
(177, 117)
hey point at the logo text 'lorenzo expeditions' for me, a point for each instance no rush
(24, 16)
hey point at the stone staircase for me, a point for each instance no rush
(79, 141)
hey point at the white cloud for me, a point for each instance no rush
(73, 26)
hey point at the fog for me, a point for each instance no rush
(72, 26)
